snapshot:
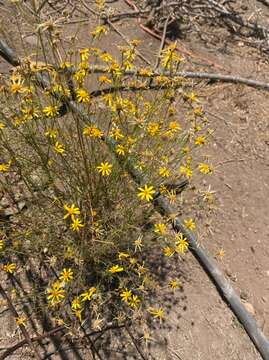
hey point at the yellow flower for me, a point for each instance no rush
(164, 172)
(87, 295)
(153, 128)
(55, 294)
(116, 134)
(114, 69)
(66, 275)
(133, 261)
(9, 268)
(160, 228)
(2, 244)
(168, 57)
(189, 223)
(30, 112)
(122, 255)
(127, 65)
(135, 42)
(115, 269)
(2, 126)
(82, 95)
(75, 303)
(185, 170)
(100, 4)
(145, 72)
(174, 126)
(92, 131)
(173, 284)
(98, 31)
(16, 85)
(51, 111)
(120, 150)
(77, 313)
(197, 111)
(221, 253)
(5, 167)
(79, 75)
(65, 65)
(181, 246)
(163, 189)
(84, 54)
(134, 301)
(157, 313)
(59, 89)
(171, 196)
(168, 251)
(196, 127)
(106, 57)
(104, 169)
(126, 295)
(204, 168)
(50, 133)
(146, 193)
(76, 224)
(104, 80)
(200, 140)
(185, 150)
(58, 147)
(191, 97)
(83, 66)
(20, 321)
(71, 210)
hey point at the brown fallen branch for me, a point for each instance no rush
(48, 334)
(9, 56)
(163, 207)
(21, 326)
(162, 44)
(15, 347)
(179, 49)
(264, 2)
(134, 341)
(214, 77)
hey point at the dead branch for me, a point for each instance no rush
(191, 16)
(13, 348)
(233, 79)
(162, 43)
(139, 350)
(264, 2)
(48, 334)
(22, 327)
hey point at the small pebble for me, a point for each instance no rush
(249, 307)
(244, 295)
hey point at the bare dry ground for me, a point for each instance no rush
(201, 326)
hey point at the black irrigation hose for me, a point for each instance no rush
(162, 206)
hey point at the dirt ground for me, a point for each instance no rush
(201, 326)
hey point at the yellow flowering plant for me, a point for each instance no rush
(75, 153)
